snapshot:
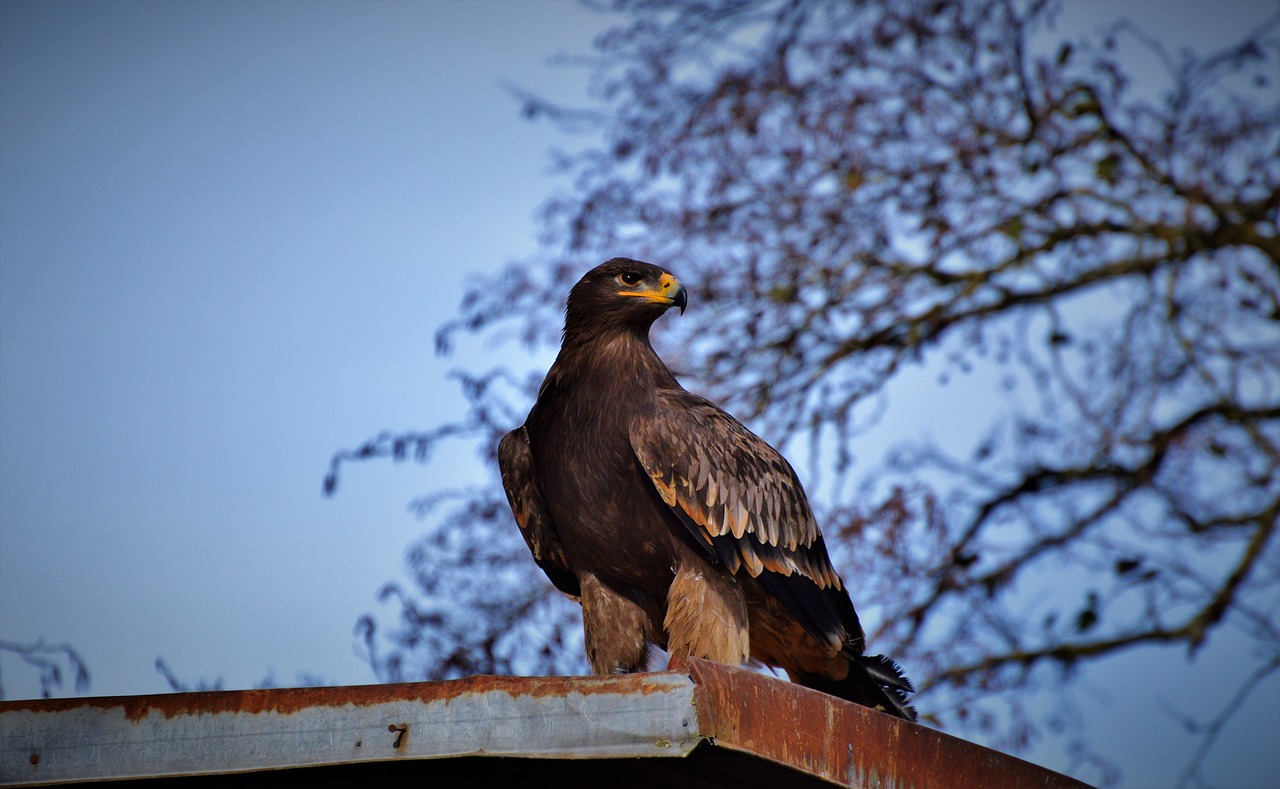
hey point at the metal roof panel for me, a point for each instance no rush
(702, 724)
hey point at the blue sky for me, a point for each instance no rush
(228, 232)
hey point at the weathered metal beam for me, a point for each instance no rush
(702, 725)
(846, 743)
(241, 731)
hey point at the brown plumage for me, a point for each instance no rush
(672, 523)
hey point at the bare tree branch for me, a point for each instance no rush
(857, 192)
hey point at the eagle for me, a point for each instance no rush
(671, 523)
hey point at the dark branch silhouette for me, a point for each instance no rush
(52, 663)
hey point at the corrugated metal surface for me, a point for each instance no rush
(706, 725)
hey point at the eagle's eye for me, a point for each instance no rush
(629, 277)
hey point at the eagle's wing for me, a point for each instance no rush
(745, 506)
(515, 462)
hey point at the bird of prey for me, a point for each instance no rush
(669, 521)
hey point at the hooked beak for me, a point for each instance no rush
(669, 292)
(680, 298)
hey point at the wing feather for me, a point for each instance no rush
(729, 484)
(515, 462)
(744, 505)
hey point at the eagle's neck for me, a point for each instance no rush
(620, 361)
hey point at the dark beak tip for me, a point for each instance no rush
(682, 299)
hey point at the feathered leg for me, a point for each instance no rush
(617, 629)
(706, 616)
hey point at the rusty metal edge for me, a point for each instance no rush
(287, 700)
(844, 742)
(661, 714)
(228, 732)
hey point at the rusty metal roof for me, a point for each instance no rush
(704, 725)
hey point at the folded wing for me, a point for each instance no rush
(515, 462)
(744, 505)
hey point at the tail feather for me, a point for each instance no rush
(887, 673)
(873, 681)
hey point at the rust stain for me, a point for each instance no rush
(287, 701)
(844, 742)
(734, 709)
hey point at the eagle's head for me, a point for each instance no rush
(623, 293)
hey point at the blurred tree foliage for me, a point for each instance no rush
(858, 192)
